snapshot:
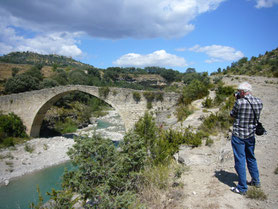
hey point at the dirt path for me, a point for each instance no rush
(212, 173)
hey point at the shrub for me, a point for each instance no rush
(29, 148)
(67, 126)
(209, 142)
(157, 176)
(183, 111)
(78, 77)
(222, 92)
(8, 142)
(207, 102)
(159, 96)
(136, 96)
(276, 171)
(21, 83)
(147, 129)
(48, 83)
(195, 90)
(103, 92)
(103, 173)
(11, 126)
(61, 77)
(15, 71)
(150, 98)
(35, 72)
(256, 193)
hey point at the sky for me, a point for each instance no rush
(174, 34)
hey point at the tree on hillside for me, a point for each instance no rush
(21, 83)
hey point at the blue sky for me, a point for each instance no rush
(176, 34)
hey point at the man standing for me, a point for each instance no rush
(243, 137)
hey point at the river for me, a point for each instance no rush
(23, 191)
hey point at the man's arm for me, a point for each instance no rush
(234, 111)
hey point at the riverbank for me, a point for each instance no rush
(40, 153)
(43, 152)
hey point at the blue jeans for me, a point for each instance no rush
(244, 150)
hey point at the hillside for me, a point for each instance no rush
(35, 58)
(211, 168)
(263, 65)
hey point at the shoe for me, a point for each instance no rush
(235, 190)
(252, 183)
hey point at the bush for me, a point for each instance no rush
(103, 92)
(78, 77)
(29, 148)
(147, 129)
(11, 126)
(136, 96)
(103, 173)
(8, 142)
(67, 126)
(159, 96)
(195, 90)
(21, 83)
(61, 77)
(149, 96)
(276, 171)
(222, 92)
(207, 102)
(48, 83)
(183, 111)
(256, 193)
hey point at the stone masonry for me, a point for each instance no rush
(32, 106)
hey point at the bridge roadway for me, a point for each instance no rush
(32, 106)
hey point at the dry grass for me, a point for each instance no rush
(6, 69)
(256, 193)
(161, 188)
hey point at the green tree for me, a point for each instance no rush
(147, 129)
(61, 77)
(78, 77)
(11, 126)
(48, 83)
(21, 83)
(15, 70)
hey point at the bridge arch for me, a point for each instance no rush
(38, 119)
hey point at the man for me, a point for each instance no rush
(243, 137)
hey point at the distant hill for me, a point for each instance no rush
(263, 65)
(32, 58)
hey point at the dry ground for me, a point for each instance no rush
(207, 183)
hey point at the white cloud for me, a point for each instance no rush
(265, 3)
(218, 53)
(110, 18)
(52, 43)
(158, 58)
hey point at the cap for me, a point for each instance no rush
(245, 86)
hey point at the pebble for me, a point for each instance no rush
(6, 182)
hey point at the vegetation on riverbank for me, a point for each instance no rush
(71, 112)
(12, 130)
(138, 173)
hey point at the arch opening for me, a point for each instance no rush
(70, 111)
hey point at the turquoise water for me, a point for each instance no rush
(102, 124)
(23, 191)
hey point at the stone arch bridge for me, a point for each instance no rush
(32, 106)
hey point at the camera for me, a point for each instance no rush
(237, 95)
